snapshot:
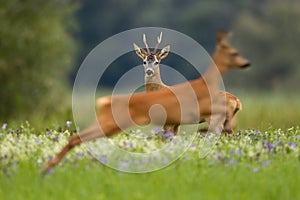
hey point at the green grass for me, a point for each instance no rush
(182, 180)
(260, 161)
(260, 110)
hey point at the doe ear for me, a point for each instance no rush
(223, 38)
(140, 52)
(163, 53)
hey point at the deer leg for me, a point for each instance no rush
(86, 135)
(172, 128)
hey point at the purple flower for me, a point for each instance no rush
(292, 144)
(78, 155)
(297, 136)
(233, 162)
(68, 124)
(50, 171)
(123, 165)
(187, 158)
(218, 154)
(193, 145)
(275, 144)
(255, 169)
(268, 145)
(266, 163)
(255, 132)
(130, 144)
(37, 141)
(104, 160)
(232, 151)
(48, 132)
(165, 161)
(4, 126)
(55, 139)
(157, 130)
(167, 135)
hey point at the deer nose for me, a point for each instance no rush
(246, 65)
(149, 72)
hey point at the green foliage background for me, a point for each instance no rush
(265, 31)
(42, 45)
(36, 56)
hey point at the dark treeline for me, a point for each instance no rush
(43, 43)
(265, 31)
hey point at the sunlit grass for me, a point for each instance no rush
(250, 164)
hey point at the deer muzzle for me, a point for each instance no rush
(149, 72)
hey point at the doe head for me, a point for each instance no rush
(152, 59)
(228, 55)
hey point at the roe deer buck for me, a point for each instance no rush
(184, 103)
(153, 80)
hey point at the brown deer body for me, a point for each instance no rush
(184, 103)
(154, 82)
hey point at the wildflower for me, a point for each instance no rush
(104, 160)
(275, 144)
(123, 165)
(193, 145)
(130, 145)
(168, 135)
(4, 126)
(232, 151)
(255, 169)
(233, 162)
(78, 155)
(292, 144)
(50, 171)
(55, 139)
(297, 136)
(37, 141)
(268, 145)
(186, 158)
(165, 161)
(256, 132)
(266, 163)
(218, 154)
(124, 144)
(68, 124)
(157, 130)
(48, 132)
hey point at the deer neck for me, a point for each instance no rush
(215, 72)
(156, 79)
(154, 82)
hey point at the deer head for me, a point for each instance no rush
(228, 55)
(152, 59)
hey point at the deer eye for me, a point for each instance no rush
(234, 54)
(145, 62)
(156, 63)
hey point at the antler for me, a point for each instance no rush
(145, 42)
(158, 42)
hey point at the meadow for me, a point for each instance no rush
(260, 160)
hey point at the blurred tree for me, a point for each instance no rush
(198, 19)
(268, 35)
(36, 53)
(265, 31)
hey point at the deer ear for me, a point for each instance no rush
(223, 38)
(140, 52)
(163, 53)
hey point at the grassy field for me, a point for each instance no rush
(260, 161)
